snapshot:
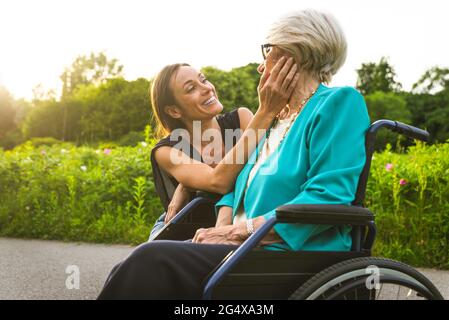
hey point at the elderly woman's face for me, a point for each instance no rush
(273, 56)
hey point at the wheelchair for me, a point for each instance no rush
(250, 272)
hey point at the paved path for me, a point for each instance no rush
(36, 269)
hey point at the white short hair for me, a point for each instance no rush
(315, 39)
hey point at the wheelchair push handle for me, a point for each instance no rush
(411, 132)
(401, 128)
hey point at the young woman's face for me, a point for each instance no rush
(195, 95)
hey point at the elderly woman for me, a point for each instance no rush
(312, 154)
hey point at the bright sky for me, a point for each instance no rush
(39, 38)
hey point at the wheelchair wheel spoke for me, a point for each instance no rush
(348, 281)
(391, 291)
(378, 294)
(398, 294)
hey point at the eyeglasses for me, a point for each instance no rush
(266, 48)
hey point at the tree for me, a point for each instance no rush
(93, 69)
(92, 112)
(430, 112)
(235, 88)
(22, 108)
(374, 77)
(7, 113)
(387, 106)
(113, 109)
(40, 94)
(433, 80)
(43, 120)
(12, 113)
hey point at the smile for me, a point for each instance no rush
(209, 101)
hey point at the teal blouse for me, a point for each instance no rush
(318, 162)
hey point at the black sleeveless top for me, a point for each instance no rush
(164, 183)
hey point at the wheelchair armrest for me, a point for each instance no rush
(293, 213)
(192, 205)
(198, 213)
(324, 214)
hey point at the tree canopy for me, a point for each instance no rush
(433, 80)
(92, 69)
(379, 76)
(98, 104)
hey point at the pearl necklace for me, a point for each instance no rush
(292, 120)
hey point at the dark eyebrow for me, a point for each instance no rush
(188, 81)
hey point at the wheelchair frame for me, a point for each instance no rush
(279, 274)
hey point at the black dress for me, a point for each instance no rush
(164, 183)
(167, 269)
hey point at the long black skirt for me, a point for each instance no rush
(164, 270)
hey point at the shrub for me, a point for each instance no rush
(78, 194)
(108, 195)
(409, 193)
(44, 141)
(131, 139)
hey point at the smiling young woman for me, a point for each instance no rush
(181, 98)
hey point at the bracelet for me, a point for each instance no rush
(249, 227)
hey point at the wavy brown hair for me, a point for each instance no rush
(161, 96)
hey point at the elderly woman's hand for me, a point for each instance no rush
(276, 87)
(234, 234)
(231, 234)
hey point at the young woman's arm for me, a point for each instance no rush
(183, 195)
(274, 91)
(245, 116)
(180, 198)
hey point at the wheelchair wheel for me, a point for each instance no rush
(368, 279)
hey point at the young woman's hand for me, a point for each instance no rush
(276, 87)
(179, 200)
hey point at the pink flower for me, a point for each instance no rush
(403, 182)
(43, 152)
(107, 151)
(389, 166)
